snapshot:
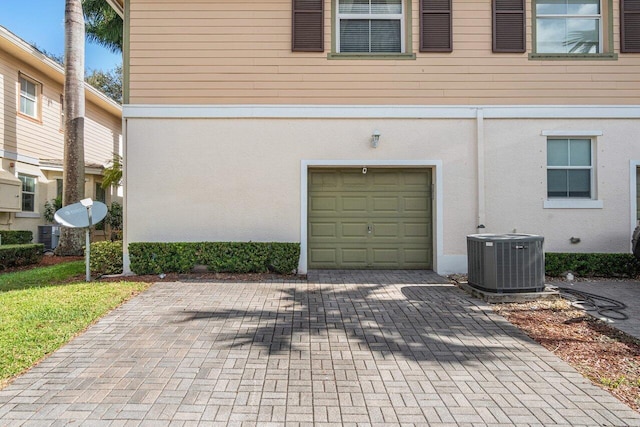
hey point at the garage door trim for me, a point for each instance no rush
(435, 165)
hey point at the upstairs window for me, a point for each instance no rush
(569, 168)
(370, 26)
(568, 26)
(29, 94)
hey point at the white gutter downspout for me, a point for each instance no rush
(481, 193)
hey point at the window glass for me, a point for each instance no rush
(569, 168)
(28, 97)
(580, 152)
(568, 26)
(558, 152)
(370, 26)
(28, 192)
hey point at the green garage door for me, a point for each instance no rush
(378, 219)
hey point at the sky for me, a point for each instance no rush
(42, 22)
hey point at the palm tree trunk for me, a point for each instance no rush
(71, 240)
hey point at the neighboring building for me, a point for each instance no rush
(378, 134)
(31, 133)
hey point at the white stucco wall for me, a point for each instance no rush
(516, 184)
(224, 179)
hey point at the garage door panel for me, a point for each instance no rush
(353, 179)
(323, 204)
(385, 204)
(416, 229)
(354, 256)
(353, 203)
(386, 256)
(325, 256)
(381, 219)
(353, 229)
(323, 229)
(416, 204)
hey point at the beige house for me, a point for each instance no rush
(379, 134)
(31, 134)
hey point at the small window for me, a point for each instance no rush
(61, 112)
(59, 188)
(28, 192)
(568, 26)
(100, 195)
(29, 94)
(370, 26)
(570, 168)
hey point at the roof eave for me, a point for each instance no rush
(118, 6)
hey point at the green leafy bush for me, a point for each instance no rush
(16, 237)
(592, 264)
(106, 257)
(17, 255)
(230, 257)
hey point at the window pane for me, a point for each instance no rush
(59, 188)
(354, 6)
(27, 88)
(354, 35)
(579, 183)
(557, 183)
(551, 7)
(558, 152)
(28, 202)
(27, 107)
(551, 35)
(386, 6)
(580, 152)
(385, 35)
(584, 7)
(583, 36)
(28, 183)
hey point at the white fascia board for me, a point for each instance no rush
(296, 111)
(20, 157)
(148, 111)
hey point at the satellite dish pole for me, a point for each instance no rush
(83, 214)
(88, 203)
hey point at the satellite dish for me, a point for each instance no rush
(76, 216)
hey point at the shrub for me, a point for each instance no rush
(17, 255)
(16, 237)
(106, 257)
(592, 264)
(230, 257)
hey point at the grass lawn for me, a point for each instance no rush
(42, 310)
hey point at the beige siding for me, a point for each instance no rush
(238, 52)
(44, 139)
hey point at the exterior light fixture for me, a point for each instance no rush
(375, 138)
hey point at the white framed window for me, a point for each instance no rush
(570, 172)
(370, 26)
(29, 97)
(28, 192)
(568, 26)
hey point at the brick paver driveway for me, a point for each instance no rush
(385, 348)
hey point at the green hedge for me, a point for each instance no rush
(106, 257)
(15, 237)
(592, 264)
(229, 257)
(18, 255)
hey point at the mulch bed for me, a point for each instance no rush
(608, 357)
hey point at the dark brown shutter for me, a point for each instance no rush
(307, 30)
(629, 26)
(509, 24)
(435, 26)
